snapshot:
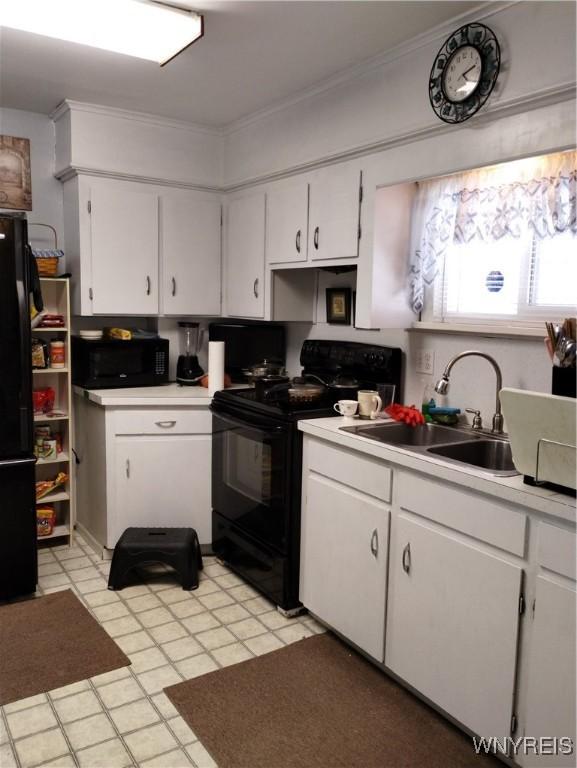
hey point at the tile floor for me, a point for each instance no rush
(123, 718)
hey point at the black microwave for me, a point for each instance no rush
(112, 363)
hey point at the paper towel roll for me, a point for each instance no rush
(215, 366)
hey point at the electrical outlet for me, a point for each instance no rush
(425, 361)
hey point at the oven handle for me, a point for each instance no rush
(249, 423)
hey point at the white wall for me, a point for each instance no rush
(391, 100)
(46, 190)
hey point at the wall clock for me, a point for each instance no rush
(464, 73)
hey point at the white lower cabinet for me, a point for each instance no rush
(452, 624)
(162, 481)
(142, 467)
(344, 543)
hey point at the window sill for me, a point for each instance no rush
(491, 331)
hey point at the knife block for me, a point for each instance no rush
(563, 381)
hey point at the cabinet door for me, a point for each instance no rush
(162, 482)
(124, 250)
(244, 276)
(334, 213)
(551, 690)
(286, 223)
(452, 624)
(190, 253)
(344, 545)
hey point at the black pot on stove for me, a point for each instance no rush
(338, 387)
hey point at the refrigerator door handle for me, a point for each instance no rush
(34, 279)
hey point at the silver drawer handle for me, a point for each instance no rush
(375, 543)
(255, 288)
(148, 285)
(407, 559)
(316, 239)
(173, 286)
(298, 241)
(165, 424)
(127, 467)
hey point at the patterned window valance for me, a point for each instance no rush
(536, 196)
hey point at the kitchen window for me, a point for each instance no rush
(498, 244)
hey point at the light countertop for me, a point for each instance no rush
(511, 489)
(165, 395)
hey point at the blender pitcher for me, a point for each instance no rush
(188, 371)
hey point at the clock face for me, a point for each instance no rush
(464, 73)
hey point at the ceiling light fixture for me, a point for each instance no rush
(146, 30)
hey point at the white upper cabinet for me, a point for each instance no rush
(190, 255)
(244, 266)
(142, 249)
(335, 198)
(287, 206)
(124, 250)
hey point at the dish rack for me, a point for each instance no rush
(47, 258)
(536, 480)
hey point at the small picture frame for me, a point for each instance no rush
(338, 306)
(15, 176)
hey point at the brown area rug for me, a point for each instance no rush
(317, 703)
(51, 641)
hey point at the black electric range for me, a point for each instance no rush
(257, 466)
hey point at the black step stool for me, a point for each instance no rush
(177, 547)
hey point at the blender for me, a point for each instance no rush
(188, 371)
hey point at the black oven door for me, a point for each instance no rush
(250, 475)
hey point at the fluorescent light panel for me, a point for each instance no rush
(146, 30)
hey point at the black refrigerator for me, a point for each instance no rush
(18, 277)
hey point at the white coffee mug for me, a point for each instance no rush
(369, 403)
(346, 407)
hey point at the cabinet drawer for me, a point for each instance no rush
(357, 471)
(556, 550)
(482, 517)
(184, 421)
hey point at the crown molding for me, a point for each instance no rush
(69, 105)
(483, 11)
(501, 109)
(65, 174)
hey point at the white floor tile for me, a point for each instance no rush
(111, 754)
(142, 661)
(77, 706)
(164, 705)
(122, 626)
(29, 721)
(131, 717)
(150, 742)
(137, 641)
(30, 701)
(110, 611)
(7, 758)
(83, 574)
(183, 648)
(231, 654)
(3, 732)
(111, 677)
(174, 759)
(196, 665)
(103, 597)
(181, 730)
(258, 605)
(91, 730)
(69, 690)
(120, 692)
(200, 756)
(201, 622)
(247, 628)
(294, 633)
(41, 747)
(155, 617)
(216, 600)
(187, 608)
(157, 679)
(167, 632)
(143, 603)
(263, 644)
(215, 638)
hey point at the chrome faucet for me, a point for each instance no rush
(442, 386)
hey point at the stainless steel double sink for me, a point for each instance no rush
(460, 445)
